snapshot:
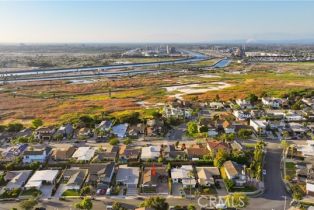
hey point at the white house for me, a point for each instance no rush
(241, 115)
(293, 116)
(216, 105)
(150, 152)
(84, 153)
(212, 131)
(272, 102)
(308, 149)
(176, 112)
(244, 104)
(47, 177)
(41, 155)
(259, 125)
(184, 175)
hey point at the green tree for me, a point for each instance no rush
(127, 141)
(220, 158)
(191, 207)
(245, 133)
(114, 141)
(35, 165)
(237, 200)
(160, 160)
(252, 98)
(85, 191)
(157, 203)
(3, 128)
(192, 127)
(37, 123)
(168, 168)
(15, 127)
(58, 136)
(86, 203)
(117, 206)
(28, 204)
(204, 129)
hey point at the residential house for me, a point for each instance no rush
(75, 178)
(259, 126)
(214, 146)
(127, 153)
(244, 104)
(17, 179)
(310, 184)
(206, 176)
(136, 130)
(308, 149)
(110, 154)
(151, 152)
(228, 127)
(152, 178)
(101, 174)
(62, 154)
(216, 105)
(237, 146)
(11, 153)
(297, 128)
(235, 172)
(212, 131)
(272, 102)
(66, 130)
(255, 114)
(197, 152)
(120, 130)
(41, 179)
(155, 127)
(128, 177)
(36, 155)
(242, 115)
(45, 133)
(184, 175)
(309, 102)
(293, 116)
(85, 133)
(105, 125)
(84, 153)
(204, 113)
(177, 155)
(176, 112)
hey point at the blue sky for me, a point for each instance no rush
(154, 21)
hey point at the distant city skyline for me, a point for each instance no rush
(155, 21)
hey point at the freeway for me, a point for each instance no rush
(193, 57)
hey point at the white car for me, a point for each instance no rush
(264, 172)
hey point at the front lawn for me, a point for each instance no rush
(290, 171)
(243, 189)
(11, 194)
(71, 193)
(31, 192)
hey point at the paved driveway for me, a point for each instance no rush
(177, 133)
(46, 191)
(60, 191)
